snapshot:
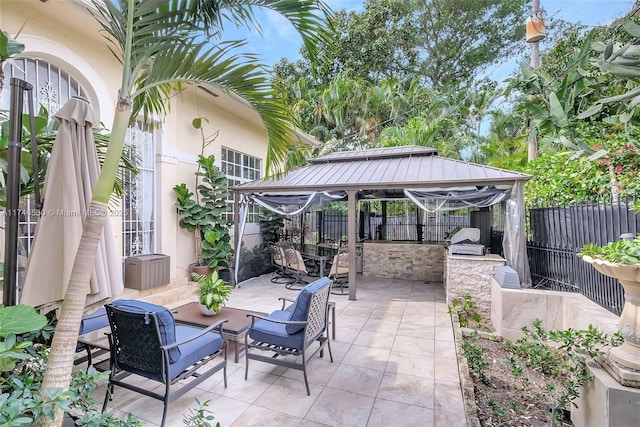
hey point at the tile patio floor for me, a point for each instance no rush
(394, 365)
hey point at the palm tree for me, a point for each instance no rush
(161, 47)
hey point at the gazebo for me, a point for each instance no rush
(412, 172)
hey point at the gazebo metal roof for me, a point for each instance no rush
(383, 168)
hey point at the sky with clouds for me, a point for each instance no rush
(279, 39)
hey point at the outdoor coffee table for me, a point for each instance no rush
(234, 329)
(96, 344)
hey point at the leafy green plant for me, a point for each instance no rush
(200, 417)
(254, 262)
(204, 213)
(620, 251)
(213, 292)
(20, 399)
(498, 411)
(15, 320)
(8, 49)
(564, 366)
(475, 358)
(271, 225)
(468, 317)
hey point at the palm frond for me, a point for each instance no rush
(309, 18)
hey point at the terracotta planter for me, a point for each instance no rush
(628, 354)
(203, 270)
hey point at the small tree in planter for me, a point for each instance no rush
(203, 214)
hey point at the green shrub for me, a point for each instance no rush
(254, 262)
(468, 317)
(24, 364)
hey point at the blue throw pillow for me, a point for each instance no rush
(301, 305)
(166, 323)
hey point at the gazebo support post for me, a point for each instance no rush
(351, 233)
(383, 225)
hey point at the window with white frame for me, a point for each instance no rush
(138, 202)
(240, 168)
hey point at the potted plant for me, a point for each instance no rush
(212, 291)
(621, 260)
(203, 214)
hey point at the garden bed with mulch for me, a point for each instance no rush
(531, 381)
(507, 395)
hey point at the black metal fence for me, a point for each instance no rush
(557, 234)
(331, 226)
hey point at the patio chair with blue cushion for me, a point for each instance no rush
(292, 331)
(145, 341)
(91, 322)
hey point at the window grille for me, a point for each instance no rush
(52, 87)
(138, 204)
(240, 168)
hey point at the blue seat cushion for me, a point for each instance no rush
(166, 324)
(301, 305)
(276, 333)
(94, 321)
(195, 350)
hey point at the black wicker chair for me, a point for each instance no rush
(145, 341)
(292, 330)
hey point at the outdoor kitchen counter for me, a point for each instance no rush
(404, 259)
(471, 275)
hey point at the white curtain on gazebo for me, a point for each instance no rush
(450, 199)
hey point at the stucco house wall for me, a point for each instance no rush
(64, 33)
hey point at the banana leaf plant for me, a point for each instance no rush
(14, 320)
(46, 129)
(8, 49)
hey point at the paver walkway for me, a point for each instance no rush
(394, 364)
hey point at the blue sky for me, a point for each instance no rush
(279, 39)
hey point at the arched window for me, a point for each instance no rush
(52, 87)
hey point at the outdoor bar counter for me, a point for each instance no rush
(408, 260)
(471, 275)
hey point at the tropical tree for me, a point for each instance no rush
(506, 145)
(619, 60)
(440, 133)
(441, 43)
(160, 46)
(587, 105)
(350, 113)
